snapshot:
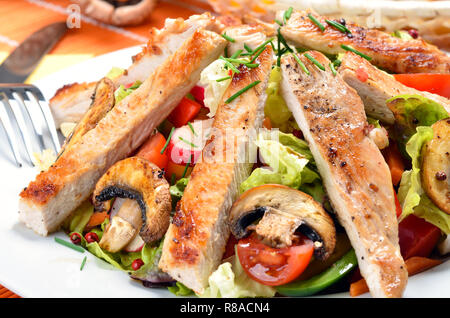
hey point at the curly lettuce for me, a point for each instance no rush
(123, 92)
(411, 194)
(230, 281)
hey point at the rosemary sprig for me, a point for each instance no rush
(316, 22)
(338, 26)
(240, 92)
(228, 38)
(315, 62)
(349, 48)
(168, 140)
(69, 245)
(302, 65)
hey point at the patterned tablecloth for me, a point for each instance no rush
(22, 17)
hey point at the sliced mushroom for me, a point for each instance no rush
(103, 101)
(436, 165)
(143, 183)
(282, 212)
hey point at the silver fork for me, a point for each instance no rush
(22, 121)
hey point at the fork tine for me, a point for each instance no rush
(4, 118)
(38, 132)
(35, 93)
(23, 129)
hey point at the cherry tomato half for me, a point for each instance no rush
(274, 266)
(185, 112)
(433, 83)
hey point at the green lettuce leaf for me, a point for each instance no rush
(80, 217)
(177, 190)
(180, 290)
(123, 92)
(412, 111)
(230, 281)
(287, 159)
(411, 194)
(115, 72)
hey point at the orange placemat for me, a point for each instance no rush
(23, 17)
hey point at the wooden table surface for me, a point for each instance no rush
(20, 18)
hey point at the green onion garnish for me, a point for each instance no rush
(226, 37)
(338, 26)
(192, 128)
(69, 245)
(223, 79)
(316, 22)
(233, 68)
(83, 263)
(168, 140)
(172, 178)
(349, 48)
(242, 91)
(236, 54)
(287, 14)
(187, 142)
(333, 70)
(279, 22)
(248, 48)
(186, 167)
(302, 65)
(316, 62)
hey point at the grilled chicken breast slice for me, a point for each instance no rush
(388, 52)
(196, 239)
(72, 101)
(55, 193)
(356, 177)
(378, 87)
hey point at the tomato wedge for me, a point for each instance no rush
(185, 112)
(273, 266)
(433, 83)
(151, 150)
(199, 94)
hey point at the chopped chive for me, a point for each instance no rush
(333, 70)
(316, 62)
(238, 61)
(69, 245)
(168, 140)
(257, 53)
(172, 178)
(302, 65)
(240, 92)
(251, 65)
(263, 45)
(287, 14)
(187, 142)
(229, 64)
(349, 48)
(225, 51)
(316, 22)
(279, 22)
(338, 26)
(273, 46)
(228, 38)
(248, 48)
(247, 54)
(192, 128)
(186, 167)
(283, 41)
(83, 263)
(223, 79)
(236, 54)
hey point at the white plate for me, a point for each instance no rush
(35, 266)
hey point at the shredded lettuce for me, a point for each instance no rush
(412, 111)
(214, 90)
(115, 72)
(230, 281)
(411, 194)
(123, 92)
(287, 159)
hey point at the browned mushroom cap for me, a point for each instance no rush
(282, 212)
(140, 180)
(103, 101)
